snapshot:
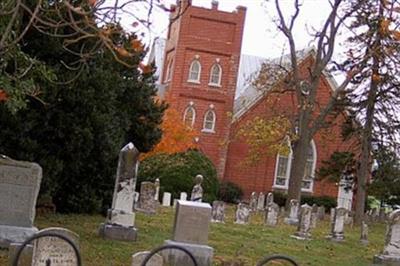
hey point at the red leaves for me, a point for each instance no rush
(145, 68)
(177, 137)
(3, 96)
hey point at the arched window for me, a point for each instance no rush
(189, 116)
(284, 164)
(168, 75)
(215, 75)
(194, 71)
(209, 121)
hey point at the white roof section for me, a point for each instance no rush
(157, 56)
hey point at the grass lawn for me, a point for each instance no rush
(247, 242)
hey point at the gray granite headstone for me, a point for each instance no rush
(304, 225)
(337, 233)
(271, 214)
(269, 200)
(55, 251)
(218, 212)
(293, 218)
(261, 201)
(19, 188)
(191, 227)
(321, 213)
(147, 204)
(192, 222)
(139, 257)
(364, 233)
(391, 250)
(157, 193)
(253, 201)
(314, 216)
(242, 214)
(120, 223)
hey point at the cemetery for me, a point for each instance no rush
(215, 234)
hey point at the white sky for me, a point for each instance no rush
(260, 37)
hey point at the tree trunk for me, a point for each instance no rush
(363, 171)
(297, 169)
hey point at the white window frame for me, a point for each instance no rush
(208, 130)
(190, 107)
(289, 167)
(169, 71)
(196, 61)
(219, 76)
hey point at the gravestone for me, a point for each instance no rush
(218, 212)
(321, 213)
(364, 233)
(157, 193)
(253, 201)
(191, 227)
(147, 204)
(138, 258)
(314, 216)
(166, 199)
(197, 191)
(183, 196)
(332, 215)
(120, 222)
(19, 188)
(391, 250)
(304, 225)
(55, 251)
(242, 214)
(269, 200)
(339, 217)
(271, 214)
(293, 218)
(261, 201)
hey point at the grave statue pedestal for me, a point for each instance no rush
(191, 228)
(121, 218)
(19, 188)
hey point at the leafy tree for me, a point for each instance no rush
(333, 168)
(374, 93)
(385, 184)
(177, 137)
(69, 20)
(77, 126)
(300, 78)
(177, 171)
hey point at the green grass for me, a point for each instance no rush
(246, 242)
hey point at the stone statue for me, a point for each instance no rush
(197, 191)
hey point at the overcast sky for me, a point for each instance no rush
(260, 34)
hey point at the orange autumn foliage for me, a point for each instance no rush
(3, 96)
(177, 137)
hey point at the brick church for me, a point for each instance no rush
(203, 75)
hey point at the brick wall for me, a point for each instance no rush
(260, 176)
(210, 36)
